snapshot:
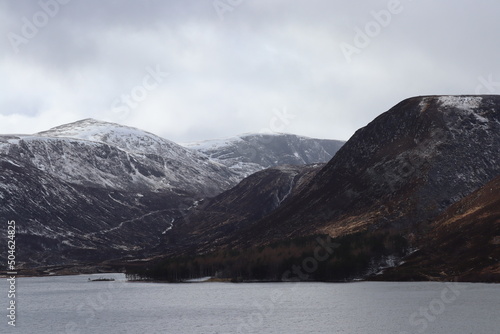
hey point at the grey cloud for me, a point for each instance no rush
(229, 71)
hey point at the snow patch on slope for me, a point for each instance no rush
(461, 102)
(468, 104)
(211, 144)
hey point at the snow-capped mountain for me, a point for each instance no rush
(101, 154)
(249, 153)
(93, 190)
(127, 138)
(90, 189)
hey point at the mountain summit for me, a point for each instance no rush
(127, 138)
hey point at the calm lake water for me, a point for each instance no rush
(70, 304)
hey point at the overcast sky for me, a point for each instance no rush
(200, 69)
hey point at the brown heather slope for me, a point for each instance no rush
(462, 244)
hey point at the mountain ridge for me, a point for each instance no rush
(106, 183)
(378, 196)
(407, 152)
(249, 153)
(392, 178)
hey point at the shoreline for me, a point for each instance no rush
(232, 281)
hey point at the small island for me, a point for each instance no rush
(101, 279)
